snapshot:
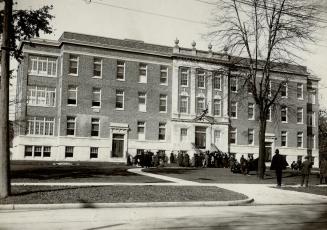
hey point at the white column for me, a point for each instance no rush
(209, 93)
(192, 85)
(225, 97)
(174, 98)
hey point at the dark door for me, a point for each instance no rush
(268, 151)
(200, 137)
(117, 145)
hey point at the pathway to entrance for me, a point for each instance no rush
(262, 193)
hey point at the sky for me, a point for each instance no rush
(163, 22)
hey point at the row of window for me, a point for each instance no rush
(201, 79)
(45, 151)
(284, 138)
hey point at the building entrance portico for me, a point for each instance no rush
(119, 140)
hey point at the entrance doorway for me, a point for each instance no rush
(117, 145)
(268, 151)
(200, 137)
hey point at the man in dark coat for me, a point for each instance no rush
(278, 163)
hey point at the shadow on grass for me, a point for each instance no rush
(170, 170)
(31, 190)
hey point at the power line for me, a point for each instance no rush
(147, 12)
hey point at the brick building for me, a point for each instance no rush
(92, 98)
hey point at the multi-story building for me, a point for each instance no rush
(92, 98)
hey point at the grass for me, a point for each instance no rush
(117, 194)
(224, 175)
(75, 172)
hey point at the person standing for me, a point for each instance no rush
(278, 163)
(305, 171)
(323, 170)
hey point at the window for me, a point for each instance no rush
(251, 114)
(72, 95)
(71, 126)
(217, 134)
(96, 97)
(201, 79)
(183, 134)
(141, 130)
(120, 70)
(95, 127)
(69, 151)
(217, 82)
(183, 107)
(250, 136)
(184, 77)
(46, 151)
(142, 102)
(94, 152)
(97, 67)
(163, 75)
(233, 109)
(283, 90)
(249, 86)
(299, 91)
(163, 103)
(284, 114)
(142, 73)
(37, 151)
(119, 99)
(312, 119)
(162, 131)
(269, 114)
(43, 66)
(269, 89)
(73, 64)
(232, 135)
(41, 96)
(233, 84)
(28, 151)
(299, 115)
(312, 97)
(299, 139)
(283, 138)
(200, 105)
(217, 107)
(40, 126)
(311, 142)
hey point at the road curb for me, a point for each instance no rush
(126, 205)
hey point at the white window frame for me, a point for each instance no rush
(69, 148)
(233, 104)
(95, 122)
(286, 90)
(201, 74)
(73, 89)
(251, 106)
(33, 98)
(184, 73)
(120, 64)
(297, 90)
(97, 61)
(217, 135)
(215, 77)
(286, 114)
(96, 92)
(297, 113)
(312, 118)
(203, 101)
(299, 134)
(70, 121)
(269, 114)
(73, 58)
(162, 126)
(142, 107)
(183, 134)
(217, 102)
(45, 121)
(38, 63)
(140, 135)
(163, 97)
(236, 84)
(283, 134)
(33, 151)
(143, 78)
(233, 131)
(250, 132)
(163, 70)
(180, 105)
(120, 93)
(94, 150)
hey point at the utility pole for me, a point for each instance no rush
(4, 101)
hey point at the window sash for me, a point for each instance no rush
(163, 74)
(163, 103)
(217, 107)
(183, 104)
(43, 66)
(41, 96)
(40, 126)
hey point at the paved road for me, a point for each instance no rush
(272, 217)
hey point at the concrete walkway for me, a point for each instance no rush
(263, 194)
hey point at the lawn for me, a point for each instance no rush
(75, 172)
(117, 194)
(224, 175)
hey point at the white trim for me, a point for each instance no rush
(69, 64)
(144, 96)
(41, 53)
(123, 66)
(166, 70)
(301, 135)
(94, 89)
(166, 99)
(302, 114)
(140, 77)
(236, 108)
(302, 91)
(101, 71)
(286, 111)
(187, 71)
(123, 94)
(253, 107)
(281, 136)
(253, 135)
(286, 90)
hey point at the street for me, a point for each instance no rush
(226, 217)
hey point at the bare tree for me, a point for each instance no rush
(267, 34)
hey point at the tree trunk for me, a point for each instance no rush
(4, 103)
(262, 138)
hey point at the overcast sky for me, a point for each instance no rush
(127, 19)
